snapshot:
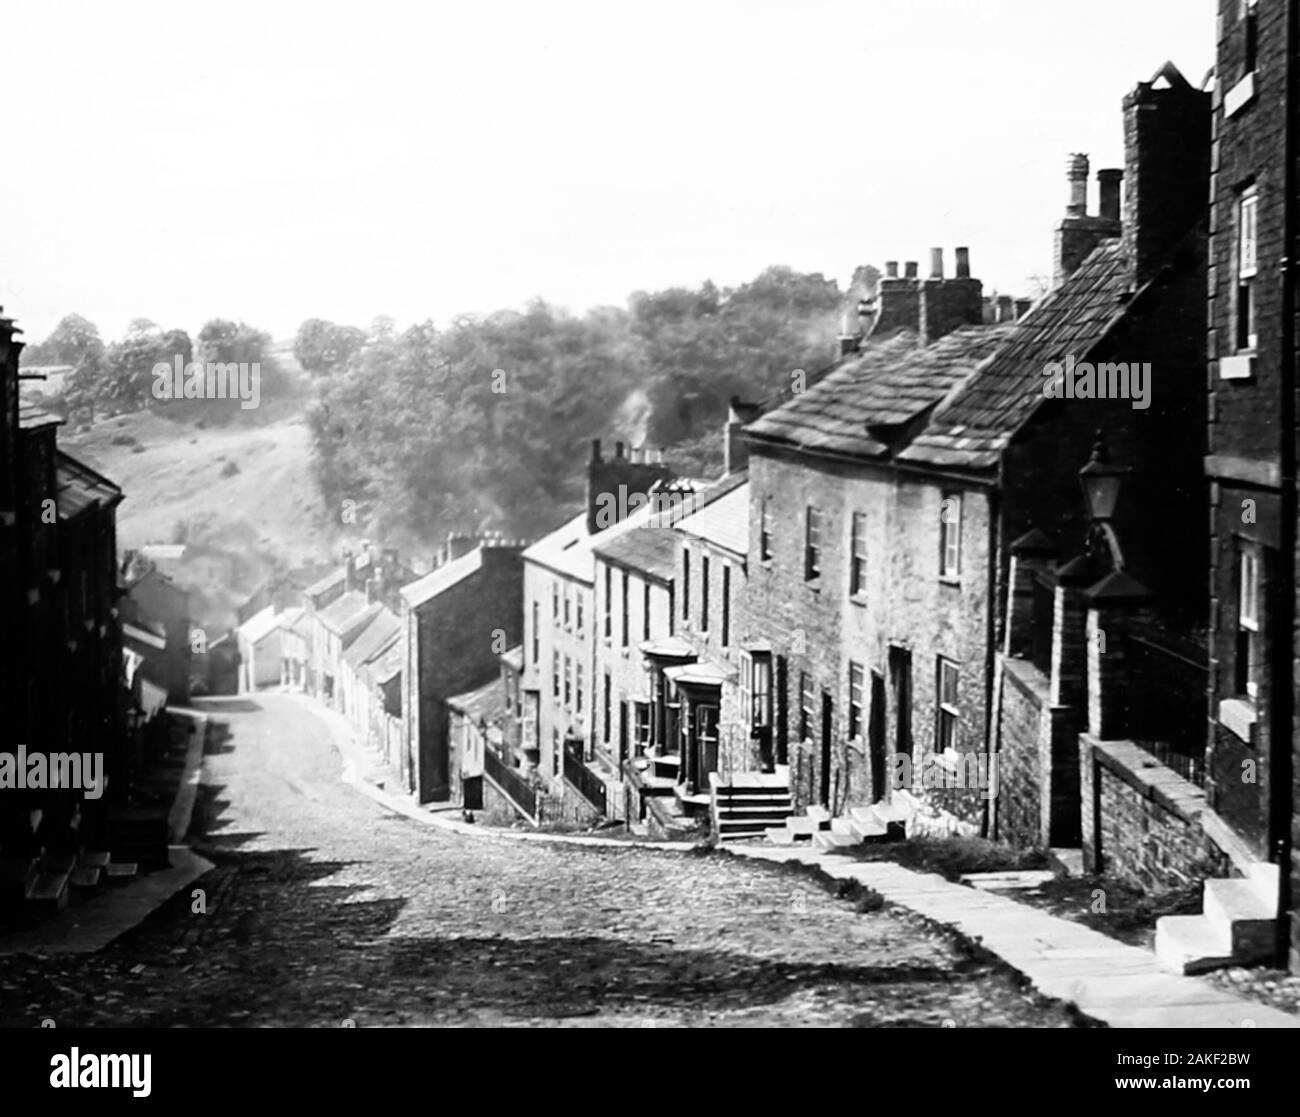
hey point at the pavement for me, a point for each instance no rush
(1124, 986)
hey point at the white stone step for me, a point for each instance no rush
(843, 826)
(865, 814)
(1190, 944)
(779, 836)
(1236, 909)
(893, 812)
(825, 839)
(797, 825)
(1263, 877)
(820, 813)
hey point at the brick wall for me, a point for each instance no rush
(1020, 770)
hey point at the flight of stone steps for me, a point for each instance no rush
(880, 822)
(47, 882)
(1236, 926)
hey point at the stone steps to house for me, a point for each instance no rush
(119, 872)
(746, 808)
(50, 891)
(1236, 926)
(84, 876)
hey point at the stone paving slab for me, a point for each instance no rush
(1124, 986)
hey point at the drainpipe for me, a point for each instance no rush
(1282, 736)
(990, 820)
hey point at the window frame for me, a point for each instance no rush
(857, 699)
(765, 530)
(857, 554)
(947, 714)
(812, 543)
(950, 537)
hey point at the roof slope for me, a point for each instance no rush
(893, 381)
(724, 523)
(440, 580)
(648, 550)
(974, 425)
(80, 487)
(375, 638)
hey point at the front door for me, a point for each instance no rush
(706, 744)
(782, 728)
(900, 676)
(876, 736)
(827, 709)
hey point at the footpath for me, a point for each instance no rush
(1120, 985)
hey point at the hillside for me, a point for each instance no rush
(243, 497)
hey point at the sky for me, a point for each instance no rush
(275, 161)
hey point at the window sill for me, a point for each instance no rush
(1239, 96)
(859, 599)
(814, 584)
(1238, 716)
(1241, 366)
(949, 580)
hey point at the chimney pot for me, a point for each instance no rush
(618, 449)
(891, 269)
(936, 263)
(910, 269)
(1108, 190)
(595, 449)
(963, 263)
(1076, 173)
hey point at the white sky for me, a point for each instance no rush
(274, 161)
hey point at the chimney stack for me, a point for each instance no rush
(612, 483)
(948, 304)
(910, 270)
(963, 263)
(1167, 172)
(1078, 234)
(891, 269)
(936, 263)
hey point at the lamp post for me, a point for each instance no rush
(1100, 480)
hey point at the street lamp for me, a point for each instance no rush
(1100, 480)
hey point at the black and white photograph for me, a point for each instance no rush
(712, 515)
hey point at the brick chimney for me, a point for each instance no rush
(947, 304)
(1167, 177)
(459, 543)
(736, 450)
(611, 483)
(898, 301)
(1078, 233)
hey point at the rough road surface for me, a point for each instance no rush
(324, 909)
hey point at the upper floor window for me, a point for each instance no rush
(765, 530)
(537, 634)
(686, 583)
(1247, 267)
(566, 607)
(609, 591)
(858, 555)
(568, 681)
(950, 536)
(1248, 14)
(627, 591)
(726, 605)
(645, 611)
(704, 593)
(577, 689)
(555, 674)
(812, 563)
(577, 606)
(806, 707)
(555, 601)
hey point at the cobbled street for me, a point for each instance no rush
(325, 909)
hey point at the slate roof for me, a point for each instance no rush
(972, 427)
(383, 629)
(260, 625)
(31, 416)
(387, 665)
(80, 487)
(651, 551)
(487, 703)
(892, 382)
(724, 523)
(342, 614)
(439, 581)
(333, 578)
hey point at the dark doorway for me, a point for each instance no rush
(472, 793)
(876, 736)
(782, 709)
(900, 677)
(706, 745)
(827, 710)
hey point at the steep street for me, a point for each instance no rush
(325, 909)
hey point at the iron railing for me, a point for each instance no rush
(510, 783)
(1167, 706)
(583, 780)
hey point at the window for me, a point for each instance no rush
(555, 752)
(626, 606)
(757, 685)
(555, 674)
(950, 536)
(641, 726)
(608, 706)
(609, 592)
(855, 700)
(704, 594)
(686, 583)
(1249, 17)
(812, 553)
(645, 611)
(765, 531)
(1248, 616)
(568, 681)
(577, 689)
(806, 708)
(1247, 267)
(858, 555)
(555, 602)
(577, 605)
(946, 729)
(726, 606)
(566, 606)
(537, 634)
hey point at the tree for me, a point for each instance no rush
(321, 346)
(127, 378)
